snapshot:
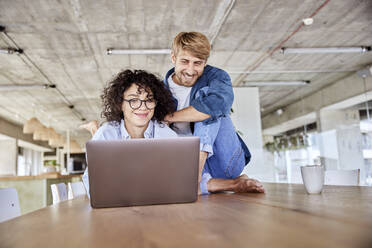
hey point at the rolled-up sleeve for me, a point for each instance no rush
(217, 99)
(100, 134)
(203, 183)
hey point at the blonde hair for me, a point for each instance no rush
(193, 42)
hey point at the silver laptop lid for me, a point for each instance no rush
(143, 171)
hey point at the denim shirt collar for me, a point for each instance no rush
(149, 132)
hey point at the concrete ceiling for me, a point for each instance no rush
(65, 43)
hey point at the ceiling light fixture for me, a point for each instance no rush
(279, 112)
(293, 71)
(366, 72)
(308, 21)
(11, 51)
(311, 50)
(8, 87)
(112, 51)
(275, 83)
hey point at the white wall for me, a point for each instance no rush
(8, 156)
(247, 119)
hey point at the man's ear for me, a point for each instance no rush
(173, 58)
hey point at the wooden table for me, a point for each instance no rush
(283, 217)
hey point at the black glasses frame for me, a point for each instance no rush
(131, 102)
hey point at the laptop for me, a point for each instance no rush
(143, 171)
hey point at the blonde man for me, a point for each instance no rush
(204, 96)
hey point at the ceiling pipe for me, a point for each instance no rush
(269, 52)
(25, 57)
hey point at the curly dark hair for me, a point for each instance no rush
(112, 97)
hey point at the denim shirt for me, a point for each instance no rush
(218, 99)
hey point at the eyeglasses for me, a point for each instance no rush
(136, 103)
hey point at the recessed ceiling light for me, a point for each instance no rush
(308, 21)
(279, 112)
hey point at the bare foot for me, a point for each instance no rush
(244, 184)
(91, 126)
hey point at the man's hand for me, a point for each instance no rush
(168, 119)
(244, 184)
(241, 184)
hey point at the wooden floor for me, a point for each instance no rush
(283, 217)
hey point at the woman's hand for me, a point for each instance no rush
(91, 126)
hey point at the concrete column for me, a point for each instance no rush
(247, 120)
(340, 140)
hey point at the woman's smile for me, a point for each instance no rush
(141, 115)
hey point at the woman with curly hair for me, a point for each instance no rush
(134, 106)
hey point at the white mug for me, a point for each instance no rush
(313, 178)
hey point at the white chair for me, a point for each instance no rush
(76, 189)
(9, 204)
(342, 177)
(59, 192)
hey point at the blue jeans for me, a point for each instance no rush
(225, 153)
